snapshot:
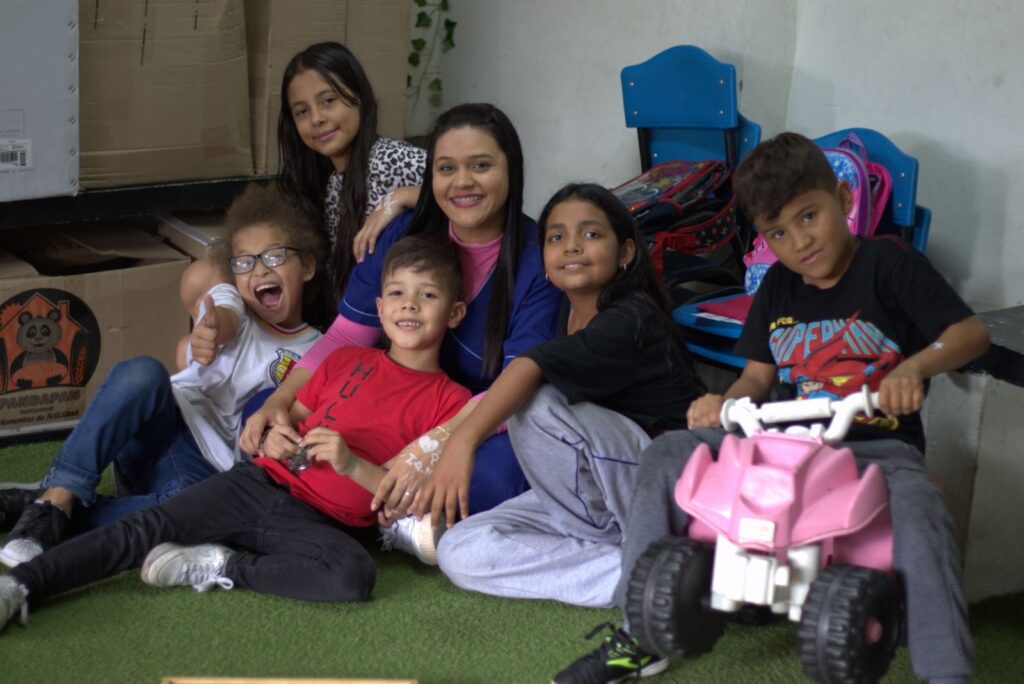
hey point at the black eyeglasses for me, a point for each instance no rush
(271, 258)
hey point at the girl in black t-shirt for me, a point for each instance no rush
(581, 408)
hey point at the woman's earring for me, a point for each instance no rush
(623, 266)
(546, 277)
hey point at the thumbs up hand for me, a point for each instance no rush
(204, 335)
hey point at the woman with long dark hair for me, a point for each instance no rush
(473, 196)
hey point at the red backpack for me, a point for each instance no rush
(683, 206)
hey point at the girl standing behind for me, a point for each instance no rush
(335, 166)
(332, 159)
(582, 406)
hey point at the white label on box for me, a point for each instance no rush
(15, 154)
(754, 530)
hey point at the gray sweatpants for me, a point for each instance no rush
(561, 539)
(925, 555)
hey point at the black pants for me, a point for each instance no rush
(285, 547)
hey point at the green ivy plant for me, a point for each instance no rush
(437, 33)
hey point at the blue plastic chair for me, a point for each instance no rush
(713, 340)
(682, 103)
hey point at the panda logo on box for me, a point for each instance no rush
(48, 338)
(40, 359)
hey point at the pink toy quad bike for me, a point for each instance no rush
(784, 522)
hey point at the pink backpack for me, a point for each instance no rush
(870, 184)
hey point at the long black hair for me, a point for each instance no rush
(304, 172)
(638, 280)
(429, 219)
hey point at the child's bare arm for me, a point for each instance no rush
(394, 203)
(448, 486)
(283, 440)
(324, 444)
(513, 387)
(902, 391)
(298, 412)
(216, 328)
(275, 410)
(755, 382)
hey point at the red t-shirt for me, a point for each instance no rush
(378, 407)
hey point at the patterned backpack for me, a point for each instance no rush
(682, 206)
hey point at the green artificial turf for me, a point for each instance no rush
(416, 626)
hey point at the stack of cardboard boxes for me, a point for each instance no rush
(135, 92)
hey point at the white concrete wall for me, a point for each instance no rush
(940, 77)
(553, 67)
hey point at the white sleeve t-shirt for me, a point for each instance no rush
(211, 398)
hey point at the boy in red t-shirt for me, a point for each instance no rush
(289, 523)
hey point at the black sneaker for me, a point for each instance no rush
(617, 659)
(13, 501)
(40, 527)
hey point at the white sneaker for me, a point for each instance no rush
(18, 551)
(415, 537)
(13, 600)
(200, 567)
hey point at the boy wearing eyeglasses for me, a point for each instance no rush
(164, 433)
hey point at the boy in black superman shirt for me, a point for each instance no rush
(835, 313)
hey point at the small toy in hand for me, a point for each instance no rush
(300, 461)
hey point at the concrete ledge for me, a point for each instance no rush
(975, 432)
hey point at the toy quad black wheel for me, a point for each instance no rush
(849, 628)
(665, 600)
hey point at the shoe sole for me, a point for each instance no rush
(156, 559)
(11, 560)
(20, 485)
(657, 667)
(427, 538)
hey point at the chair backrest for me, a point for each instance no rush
(682, 102)
(902, 214)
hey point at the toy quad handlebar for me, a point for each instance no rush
(743, 413)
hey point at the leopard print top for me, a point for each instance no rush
(393, 164)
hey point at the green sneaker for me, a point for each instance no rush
(617, 659)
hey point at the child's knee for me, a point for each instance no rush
(138, 374)
(463, 550)
(353, 581)
(196, 281)
(181, 352)
(545, 402)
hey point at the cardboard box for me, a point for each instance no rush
(377, 32)
(38, 99)
(73, 302)
(196, 233)
(164, 92)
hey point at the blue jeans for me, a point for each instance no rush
(133, 423)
